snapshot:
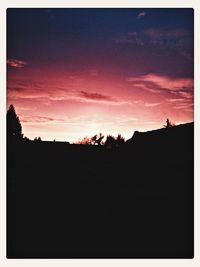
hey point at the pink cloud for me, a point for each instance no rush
(46, 92)
(184, 106)
(175, 100)
(171, 83)
(14, 63)
(161, 82)
(151, 105)
(186, 94)
(38, 119)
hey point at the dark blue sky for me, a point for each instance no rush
(76, 35)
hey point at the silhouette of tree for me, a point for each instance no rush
(26, 138)
(14, 128)
(94, 139)
(110, 141)
(38, 139)
(85, 141)
(168, 124)
(97, 139)
(120, 140)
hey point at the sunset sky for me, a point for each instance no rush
(78, 72)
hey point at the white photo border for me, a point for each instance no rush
(195, 4)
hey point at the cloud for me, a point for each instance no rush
(38, 119)
(174, 100)
(46, 92)
(178, 39)
(186, 94)
(95, 96)
(31, 89)
(170, 83)
(14, 63)
(142, 14)
(186, 106)
(99, 99)
(154, 83)
(152, 104)
(126, 121)
(178, 93)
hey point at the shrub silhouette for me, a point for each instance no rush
(120, 140)
(38, 139)
(94, 140)
(85, 141)
(111, 141)
(97, 139)
(14, 128)
(169, 124)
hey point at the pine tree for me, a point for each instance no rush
(14, 128)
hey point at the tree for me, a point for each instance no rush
(85, 141)
(168, 124)
(97, 139)
(38, 139)
(120, 140)
(14, 128)
(94, 139)
(111, 141)
(26, 138)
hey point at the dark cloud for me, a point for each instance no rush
(96, 96)
(38, 119)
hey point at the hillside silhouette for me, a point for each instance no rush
(88, 201)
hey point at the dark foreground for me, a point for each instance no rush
(71, 201)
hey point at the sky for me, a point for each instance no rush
(77, 72)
